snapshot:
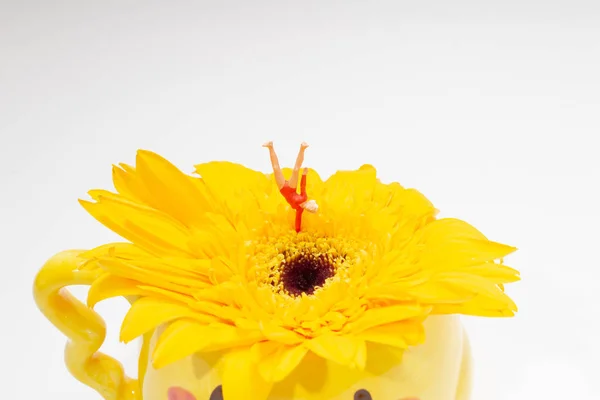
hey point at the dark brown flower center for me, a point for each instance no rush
(306, 272)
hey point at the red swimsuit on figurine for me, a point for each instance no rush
(296, 200)
(299, 202)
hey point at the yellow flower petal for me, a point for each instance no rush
(235, 189)
(262, 350)
(477, 285)
(180, 339)
(108, 286)
(104, 218)
(473, 309)
(240, 377)
(151, 277)
(496, 273)
(148, 313)
(451, 242)
(275, 360)
(128, 183)
(172, 191)
(437, 292)
(359, 360)
(226, 179)
(385, 315)
(224, 293)
(187, 272)
(186, 336)
(169, 295)
(328, 298)
(123, 250)
(340, 349)
(226, 313)
(397, 334)
(214, 241)
(414, 205)
(350, 192)
(279, 334)
(152, 230)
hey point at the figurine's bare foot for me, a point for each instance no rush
(303, 145)
(268, 145)
(305, 172)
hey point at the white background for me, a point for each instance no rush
(491, 109)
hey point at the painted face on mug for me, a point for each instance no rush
(177, 393)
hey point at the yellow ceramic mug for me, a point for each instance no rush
(445, 357)
(218, 281)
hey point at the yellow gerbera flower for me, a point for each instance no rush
(216, 261)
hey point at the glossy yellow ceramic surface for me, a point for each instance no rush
(84, 328)
(440, 369)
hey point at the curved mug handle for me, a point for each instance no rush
(85, 329)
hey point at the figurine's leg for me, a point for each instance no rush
(298, 165)
(279, 178)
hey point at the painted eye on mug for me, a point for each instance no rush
(217, 393)
(362, 394)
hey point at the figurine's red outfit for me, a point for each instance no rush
(294, 199)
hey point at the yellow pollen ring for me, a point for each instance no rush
(273, 257)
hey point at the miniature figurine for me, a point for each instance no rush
(299, 202)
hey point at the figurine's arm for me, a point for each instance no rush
(298, 222)
(303, 182)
